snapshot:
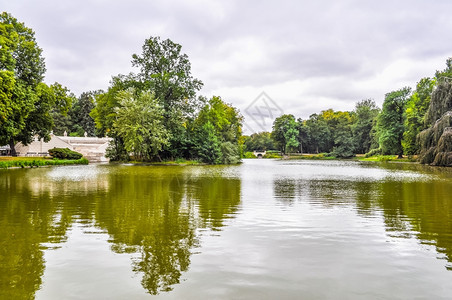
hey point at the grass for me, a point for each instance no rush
(22, 162)
(388, 158)
(177, 162)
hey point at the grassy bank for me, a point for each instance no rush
(389, 158)
(177, 162)
(23, 162)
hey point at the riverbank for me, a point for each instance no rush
(30, 162)
(177, 162)
(326, 156)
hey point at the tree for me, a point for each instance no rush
(222, 120)
(80, 114)
(303, 135)
(207, 144)
(259, 141)
(139, 124)
(320, 137)
(366, 112)
(416, 108)
(26, 100)
(167, 72)
(390, 124)
(22, 69)
(62, 109)
(285, 133)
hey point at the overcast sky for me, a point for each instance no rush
(306, 56)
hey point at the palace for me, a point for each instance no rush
(92, 148)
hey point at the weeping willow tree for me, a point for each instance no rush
(436, 141)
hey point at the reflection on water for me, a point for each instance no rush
(152, 212)
(254, 227)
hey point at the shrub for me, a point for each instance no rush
(373, 152)
(64, 153)
(249, 155)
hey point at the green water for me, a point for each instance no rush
(266, 229)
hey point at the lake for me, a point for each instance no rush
(265, 229)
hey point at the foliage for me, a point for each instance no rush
(207, 144)
(64, 153)
(373, 152)
(249, 154)
(285, 133)
(366, 112)
(230, 153)
(167, 72)
(416, 108)
(259, 141)
(319, 135)
(38, 162)
(24, 99)
(390, 122)
(436, 141)
(217, 133)
(139, 124)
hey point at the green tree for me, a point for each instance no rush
(139, 124)
(320, 137)
(416, 108)
(390, 124)
(64, 101)
(80, 114)
(259, 141)
(304, 135)
(207, 144)
(26, 100)
(22, 69)
(222, 120)
(285, 133)
(366, 112)
(167, 72)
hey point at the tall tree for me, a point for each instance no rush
(167, 72)
(366, 112)
(304, 135)
(222, 120)
(285, 133)
(416, 108)
(320, 136)
(80, 114)
(22, 69)
(259, 141)
(28, 100)
(139, 124)
(390, 124)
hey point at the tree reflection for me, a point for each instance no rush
(420, 208)
(27, 221)
(149, 212)
(412, 207)
(218, 198)
(152, 214)
(148, 215)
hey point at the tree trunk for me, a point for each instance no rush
(12, 145)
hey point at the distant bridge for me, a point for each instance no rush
(259, 153)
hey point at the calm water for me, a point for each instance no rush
(266, 229)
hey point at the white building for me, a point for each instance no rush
(92, 148)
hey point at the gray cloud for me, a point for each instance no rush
(310, 55)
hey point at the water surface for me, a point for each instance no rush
(265, 229)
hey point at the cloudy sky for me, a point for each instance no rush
(306, 56)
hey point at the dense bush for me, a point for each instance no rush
(23, 163)
(64, 153)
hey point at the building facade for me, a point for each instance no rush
(93, 148)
